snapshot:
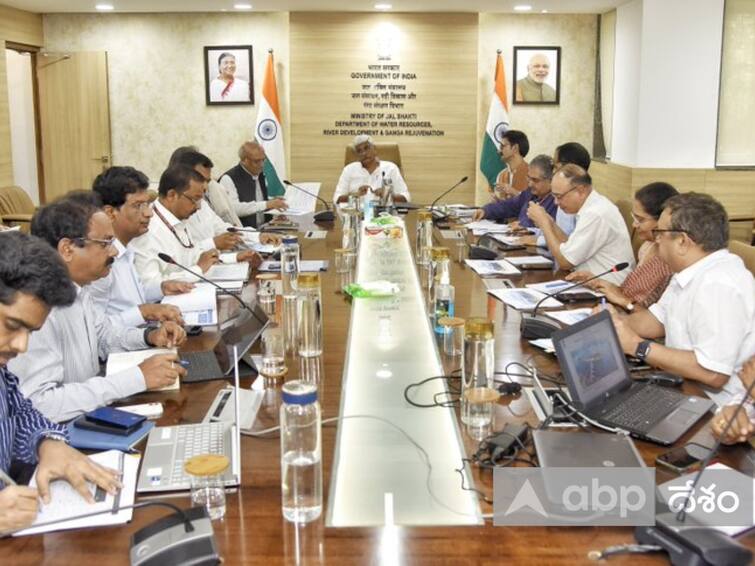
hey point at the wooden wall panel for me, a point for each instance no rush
(441, 49)
(6, 160)
(18, 26)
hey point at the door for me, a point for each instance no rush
(74, 117)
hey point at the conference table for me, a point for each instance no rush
(253, 530)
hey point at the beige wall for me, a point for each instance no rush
(156, 79)
(25, 28)
(440, 48)
(546, 126)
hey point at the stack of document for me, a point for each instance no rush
(488, 268)
(507, 240)
(569, 317)
(199, 307)
(530, 261)
(524, 299)
(299, 202)
(304, 266)
(487, 226)
(120, 361)
(228, 272)
(557, 285)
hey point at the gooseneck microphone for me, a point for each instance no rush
(234, 230)
(169, 260)
(326, 215)
(462, 180)
(533, 326)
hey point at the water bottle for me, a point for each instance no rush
(477, 377)
(369, 210)
(309, 315)
(424, 236)
(301, 464)
(289, 265)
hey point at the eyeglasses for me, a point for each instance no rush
(562, 195)
(140, 206)
(658, 231)
(194, 201)
(103, 243)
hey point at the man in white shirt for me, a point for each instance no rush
(60, 371)
(120, 294)
(246, 187)
(366, 176)
(707, 313)
(600, 239)
(743, 426)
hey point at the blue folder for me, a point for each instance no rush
(92, 440)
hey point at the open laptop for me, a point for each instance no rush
(169, 447)
(598, 378)
(241, 332)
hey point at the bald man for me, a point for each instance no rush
(532, 88)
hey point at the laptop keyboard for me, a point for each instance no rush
(192, 441)
(203, 366)
(643, 409)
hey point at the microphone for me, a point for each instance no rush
(234, 230)
(533, 326)
(169, 260)
(432, 205)
(326, 215)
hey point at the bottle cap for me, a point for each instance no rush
(299, 393)
(437, 253)
(478, 329)
(290, 239)
(423, 215)
(308, 280)
(451, 321)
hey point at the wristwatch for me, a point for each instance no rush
(643, 349)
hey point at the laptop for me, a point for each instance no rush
(242, 331)
(598, 378)
(169, 447)
(585, 450)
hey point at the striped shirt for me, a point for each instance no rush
(649, 280)
(21, 425)
(60, 371)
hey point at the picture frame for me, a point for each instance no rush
(224, 62)
(537, 74)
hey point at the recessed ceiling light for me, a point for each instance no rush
(104, 7)
(522, 8)
(383, 6)
(242, 6)
(543, 11)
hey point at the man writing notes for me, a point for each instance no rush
(60, 372)
(32, 281)
(600, 239)
(365, 177)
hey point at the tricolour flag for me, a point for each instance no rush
(269, 133)
(498, 123)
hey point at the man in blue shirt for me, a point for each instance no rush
(538, 191)
(32, 281)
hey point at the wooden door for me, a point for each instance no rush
(74, 116)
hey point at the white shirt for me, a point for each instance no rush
(221, 204)
(160, 238)
(709, 308)
(204, 225)
(259, 204)
(120, 292)
(354, 175)
(239, 91)
(564, 220)
(59, 371)
(600, 239)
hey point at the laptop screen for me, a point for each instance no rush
(591, 359)
(241, 331)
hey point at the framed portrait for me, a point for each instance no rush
(228, 74)
(537, 74)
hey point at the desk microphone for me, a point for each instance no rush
(169, 260)
(432, 205)
(234, 230)
(533, 326)
(326, 215)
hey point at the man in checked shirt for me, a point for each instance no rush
(33, 279)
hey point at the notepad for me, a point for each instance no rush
(523, 299)
(228, 272)
(569, 317)
(93, 440)
(66, 502)
(198, 307)
(120, 361)
(530, 260)
(487, 268)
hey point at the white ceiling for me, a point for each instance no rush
(552, 6)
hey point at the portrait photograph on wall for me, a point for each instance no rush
(537, 74)
(229, 77)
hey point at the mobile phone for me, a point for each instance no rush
(115, 418)
(683, 459)
(85, 424)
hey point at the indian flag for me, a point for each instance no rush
(269, 133)
(498, 123)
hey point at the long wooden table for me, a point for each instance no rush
(253, 530)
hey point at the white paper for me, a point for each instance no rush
(481, 227)
(544, 344)
(569, 317)
(264, 248)
(304, 265)
(484, 267)
(228, 272)
(524, 299)
(557, 285)
(508, 240)
(198, 307)
(315, 235)
(66, 502)
(120, 361)
(299, 201)
(452, 234)
(529, 260)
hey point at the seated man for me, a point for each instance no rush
(538, 191)
(600, 239)
(246, 187)
(513, 179)
(32, 281)
(60, 371)
(122, 192)
(707, 313)
(743, 426)
(366, 176)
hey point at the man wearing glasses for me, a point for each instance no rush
(600, 239)
(707, 313)
(60, 370)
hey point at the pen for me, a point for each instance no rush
(6, 479)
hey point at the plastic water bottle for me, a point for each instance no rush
(289, 265)
(369, 210)
(301, 450)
